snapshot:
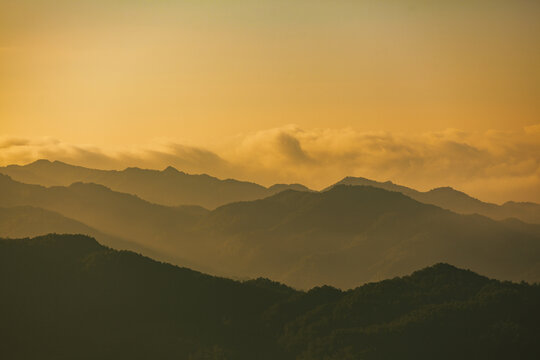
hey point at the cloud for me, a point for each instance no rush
(493, 165)
(7, 143)
(533, 129)
(155, 156)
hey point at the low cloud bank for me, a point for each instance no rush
(494, 166)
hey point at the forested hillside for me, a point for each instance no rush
(66, 296)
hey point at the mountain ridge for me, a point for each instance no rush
(343, 237)
(31, 221)
(64, 293)
(449, 198)
(332, 227)
(169, 186)
(172, 187)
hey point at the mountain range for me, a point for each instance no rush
(457, 201)
(168, 187)
(172, 188)
(67, 296)
(344, 237)
(29, 221)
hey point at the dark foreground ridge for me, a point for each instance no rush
(68, 297)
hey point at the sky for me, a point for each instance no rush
(422, 92)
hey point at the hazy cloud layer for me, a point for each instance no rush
(495, 166)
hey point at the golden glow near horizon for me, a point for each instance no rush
(213, 73)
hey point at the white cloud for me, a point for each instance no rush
(494, 165)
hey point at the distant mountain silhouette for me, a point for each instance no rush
(168, 187)
(100, 207)
(66, 296)
(29, 221)
(343, 237)
(354, 234)
(277, 188)
(172, 187)
(457, 201)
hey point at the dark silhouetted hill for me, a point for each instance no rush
(168, 187)
(457, 201)
(66, 296)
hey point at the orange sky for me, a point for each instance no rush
(209, 74)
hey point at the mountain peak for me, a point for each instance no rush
(46, 164)
(282, 187)
(450, 191)
(40, 162)
(444, 272)
(350, 178)
(133, 168)
(172, 170)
